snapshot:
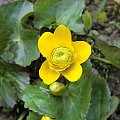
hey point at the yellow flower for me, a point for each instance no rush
(45, 118)
(62, 55)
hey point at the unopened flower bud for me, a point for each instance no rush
(45, 118)
(57, 88)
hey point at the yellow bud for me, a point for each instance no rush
(57, 88)
(102, 17)
(45, 118)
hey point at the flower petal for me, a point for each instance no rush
(73, 73)
(83, 51)
(47, 43)
(63, 34)
(47, 75)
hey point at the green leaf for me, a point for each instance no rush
(67, 12)
(106, 39)
(76, 101)
(40, 100)
(87, 19)
(66, 107)
(111, 53)
(33, 116)
(114, 105)
(12, 81)
(100, 99)
(18, 44)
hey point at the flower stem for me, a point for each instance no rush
(101, 59)
(22, 115)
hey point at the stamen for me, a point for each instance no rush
(61, 58)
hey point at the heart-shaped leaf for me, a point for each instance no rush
(67, 12)
(18, 44)
(74, 104)
(111, 53)
(114, 105)
(76, 101)
(40, 100)
(12, 81)
(100, 99)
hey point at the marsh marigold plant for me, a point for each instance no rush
(62, 55)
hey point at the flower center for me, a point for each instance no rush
(61, 58)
